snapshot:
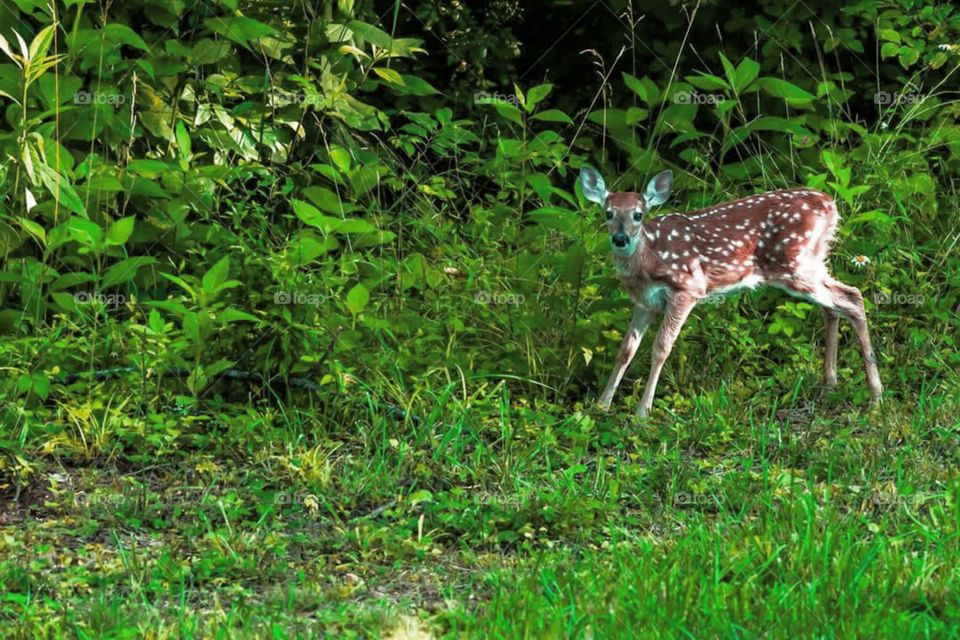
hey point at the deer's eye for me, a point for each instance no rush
(637, 216)
(609, 215)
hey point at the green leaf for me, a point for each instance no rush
(637, 86)
(86, 232)
(149, 168)
(239, 29)
(908, 57)
(120, 33)
(508, 112)
(310, 215)
(357, 298)
(216, 276)
(328, 200)
(707, 82)
(41, 44)
(890, 35)
(34, 228)
(747, 72)
(41, 385)
(556, 218)
(308, 247)
(179, 282)
(536, 95)
(207, 51)
(518, 92)
(119, 232)
(61, 190)
(370, 33)
(125, 270)
(728, 70)
(389, 75)
(183, 140)
(553, 115)
(782, 89)
(889, 49)
(414, 86)
(232, 315)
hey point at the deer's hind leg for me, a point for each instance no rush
(838, 298)
(831, 323)
(848, 301)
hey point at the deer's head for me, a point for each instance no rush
(625, 209)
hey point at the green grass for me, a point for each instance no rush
(746, 517)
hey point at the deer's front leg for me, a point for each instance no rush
(678, 310)
(628, 348)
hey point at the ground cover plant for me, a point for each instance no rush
(304, 319)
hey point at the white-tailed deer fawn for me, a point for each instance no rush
(669, 263)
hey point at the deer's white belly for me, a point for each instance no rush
(749, 282)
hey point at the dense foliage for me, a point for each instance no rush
(340, 244)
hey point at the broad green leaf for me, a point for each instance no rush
(556, 218)
(119, 232)
(389, 75)
(370, 33)
(61, 190)
(908, 56)
(728, 70)
(888, 50)
(328, 200)
(84, 231)
(536, 95)
(747, 71)
(890, 35)
(638, 86)
(707, 82)
(782, 89)
(149, 168)
(179, 282)
(508, 112)
(120, 33)
(239, 29)
(183, 140)
(552, 115)
(232, 315)
(125, 270)
(357, 298)
(414, 86)
(34, 229)
(308, 247)
(216, 276)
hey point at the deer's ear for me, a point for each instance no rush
(594, 188)
(658, 189)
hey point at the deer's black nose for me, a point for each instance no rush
(620, 239)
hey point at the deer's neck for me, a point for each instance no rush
(629, 265)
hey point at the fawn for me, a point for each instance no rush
(669, 263)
